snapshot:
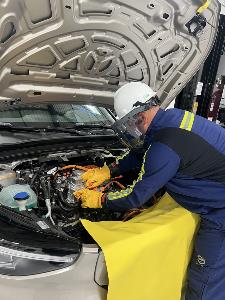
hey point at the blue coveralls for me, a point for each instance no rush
(185, 154)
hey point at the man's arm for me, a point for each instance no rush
(160, 165)
(128, 161)
(96, 176)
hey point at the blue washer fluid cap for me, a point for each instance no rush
(21, 196)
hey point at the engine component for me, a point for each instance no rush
(21, 199)
(75, 183)
(7, 177)
(48, 186)
(47, 199)
(9, 195)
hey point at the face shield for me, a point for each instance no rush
(128, 133)
(126, 127)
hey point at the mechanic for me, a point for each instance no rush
(183, 153)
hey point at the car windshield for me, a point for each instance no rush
(54, 115)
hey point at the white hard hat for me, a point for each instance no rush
(129, 94)
(129, 100)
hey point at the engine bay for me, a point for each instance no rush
(44, 187)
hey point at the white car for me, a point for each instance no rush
(60, 63)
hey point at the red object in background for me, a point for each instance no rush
(215, 103)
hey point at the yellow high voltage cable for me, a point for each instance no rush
(204, 6)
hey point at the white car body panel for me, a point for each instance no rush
(74, 282)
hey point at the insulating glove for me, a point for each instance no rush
(95, 177)
(89, 198)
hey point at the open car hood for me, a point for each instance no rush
(83, 50)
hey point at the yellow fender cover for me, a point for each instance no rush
(147, 257)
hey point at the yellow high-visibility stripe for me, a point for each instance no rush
(118, 158)
(187, 121)
(204, 7)
(129, 190)
(191, 122)
(182, 125)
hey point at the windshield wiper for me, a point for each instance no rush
(91, 126)
(11, 127)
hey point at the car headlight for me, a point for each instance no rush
(20, 263)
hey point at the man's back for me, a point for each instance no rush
(199, 184)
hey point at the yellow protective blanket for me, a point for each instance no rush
(147, 257)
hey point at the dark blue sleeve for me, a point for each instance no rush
(130, 160)
(160, 165)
